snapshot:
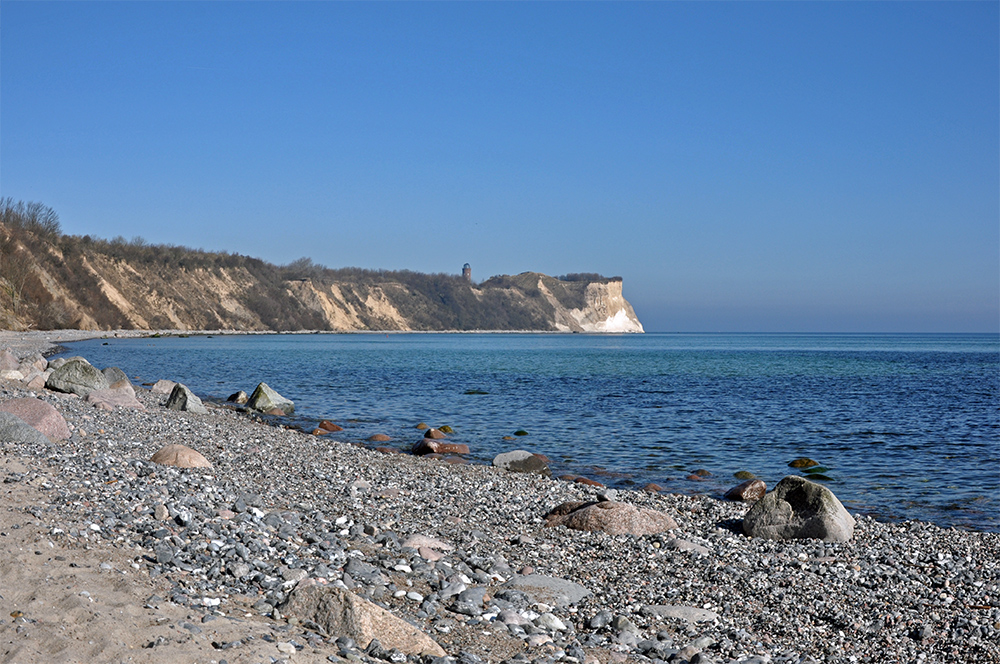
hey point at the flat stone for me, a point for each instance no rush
(549, 589)
(610, 517)
(341, 612)
(691, 614)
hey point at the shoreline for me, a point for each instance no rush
(315, 508)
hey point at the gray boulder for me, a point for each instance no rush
(114, 374)
(522, 461)
(77, 376)
(339, 611)
(266, 400)
(15, 430)
(181, 398)
(799, 509)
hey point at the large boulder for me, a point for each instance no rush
(522, 461)
(610, 517)
(181, 398)
(341, 612)
(15, 430)
(799, 509)
(180, 456)
(122, 396)
(8, 361)
(162, 386)
(114, 374)
(265, 400)
(38, 414)
(77, 376)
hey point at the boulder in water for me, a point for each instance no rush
(266, 400)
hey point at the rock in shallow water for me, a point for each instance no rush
(265, 399)
(747, 492)
(522, 461)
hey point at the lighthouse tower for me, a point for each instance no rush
(467, 272)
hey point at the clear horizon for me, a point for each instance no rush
(745, 167)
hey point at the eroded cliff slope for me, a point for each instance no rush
(56, 281)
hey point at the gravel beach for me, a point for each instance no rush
(110, 557)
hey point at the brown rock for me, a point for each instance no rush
(319, 432)
(701, 472)
(8, 361)
(430, 446)
(747, 492)
(330, 426)
(652, 488)
(613, 518)
(434, 433)
(379, 438)
(162, 386)
(181, 456)
(803, 462)
(339, 611)
(388, 450)
(456, 461)
(695, 478)
(40, 415)
(587, 481)
(275, 411)
(422, 426)
(110, 399)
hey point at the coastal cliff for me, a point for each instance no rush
(49, 280)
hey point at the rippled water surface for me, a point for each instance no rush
(907, 425)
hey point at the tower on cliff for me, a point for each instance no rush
(467, 272)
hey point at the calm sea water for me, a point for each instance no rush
(908, 426)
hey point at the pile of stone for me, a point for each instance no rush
(361, 556)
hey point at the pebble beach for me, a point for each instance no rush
(110, 557)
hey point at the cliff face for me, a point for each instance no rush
(71, 282)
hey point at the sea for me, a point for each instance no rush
(902, 426)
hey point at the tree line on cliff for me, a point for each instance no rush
(49, 280)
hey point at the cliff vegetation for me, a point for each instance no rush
(49, 280)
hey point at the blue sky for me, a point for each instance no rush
(743, 166)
